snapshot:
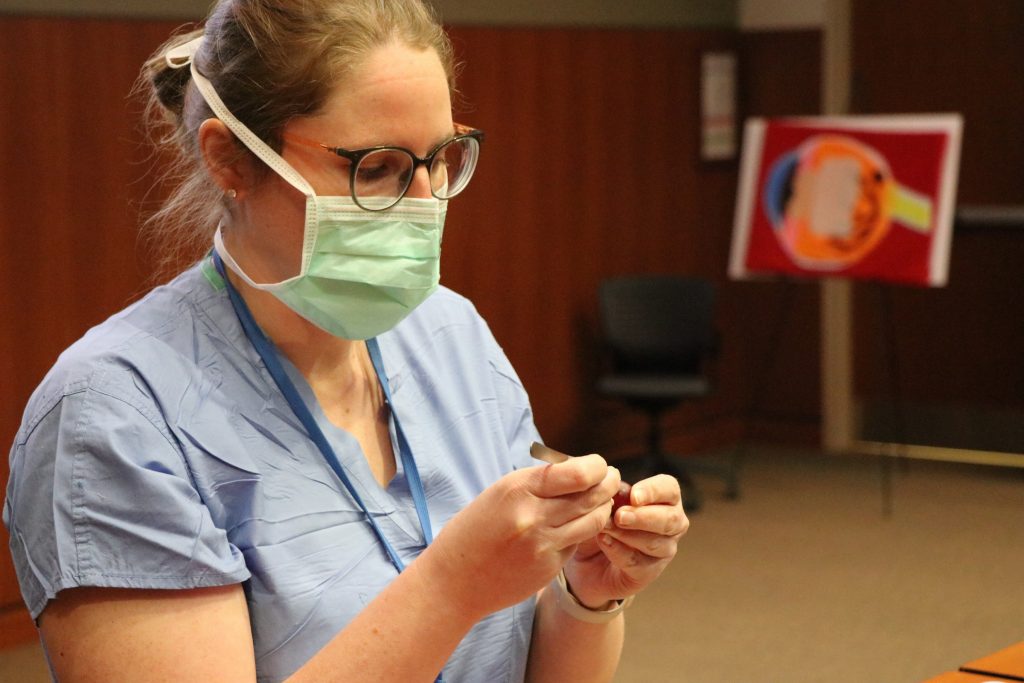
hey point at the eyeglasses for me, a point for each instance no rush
(380, 176)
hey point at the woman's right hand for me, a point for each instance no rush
(515, 537)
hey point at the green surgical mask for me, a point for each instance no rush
(364, 272)
(361, 271)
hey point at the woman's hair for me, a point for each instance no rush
(270, 61)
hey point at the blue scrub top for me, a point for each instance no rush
(158, 453)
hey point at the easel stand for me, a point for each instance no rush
(840, 433)
(888, 451)
(890, 357)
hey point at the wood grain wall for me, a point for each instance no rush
(589, 169)
(958, 348)
(70, 166)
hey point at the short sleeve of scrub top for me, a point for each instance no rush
(101, 496)
(158, 453)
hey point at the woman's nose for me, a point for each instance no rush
(419, 187)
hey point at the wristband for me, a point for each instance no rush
(576, 609)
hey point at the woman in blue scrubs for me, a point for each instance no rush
(303, 459)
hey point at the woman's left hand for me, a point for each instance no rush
(634, 548)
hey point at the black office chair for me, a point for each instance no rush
(660, 334)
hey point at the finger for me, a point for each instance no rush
(582, 528)
(664, 520)
(571, 476)
(652, 545)
(587, 549)
(562, 509)
(659, 489)
(639, 567)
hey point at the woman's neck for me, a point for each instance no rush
(317, 354)
(339, 371)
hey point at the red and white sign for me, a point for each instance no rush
(867, 197)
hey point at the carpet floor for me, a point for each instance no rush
(810, 577)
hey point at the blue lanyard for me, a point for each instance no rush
(265, 349)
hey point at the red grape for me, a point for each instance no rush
(622, 497)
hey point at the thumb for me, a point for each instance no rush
(572, 476)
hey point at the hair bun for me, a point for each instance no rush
(168, 71)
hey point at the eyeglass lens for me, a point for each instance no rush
(388, 172)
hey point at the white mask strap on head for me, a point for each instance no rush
(184, 55)
(248, 138)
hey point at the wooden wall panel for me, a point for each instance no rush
(589, 169)
(70, 169)
(959, 345)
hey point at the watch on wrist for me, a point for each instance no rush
(576, 609)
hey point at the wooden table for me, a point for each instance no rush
(1004, 665)
(963, 677)
(1008, 663)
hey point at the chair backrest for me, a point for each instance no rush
(656, 323)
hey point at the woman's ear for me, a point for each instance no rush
(229, 168)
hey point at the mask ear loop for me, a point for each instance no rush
(183, 55)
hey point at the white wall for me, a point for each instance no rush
(777, 14)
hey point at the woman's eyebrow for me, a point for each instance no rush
(434, 145)
(451, 134)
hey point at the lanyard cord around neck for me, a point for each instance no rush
(265, 349)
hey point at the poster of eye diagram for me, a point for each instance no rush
(864, 197)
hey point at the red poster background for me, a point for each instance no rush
(916, 161)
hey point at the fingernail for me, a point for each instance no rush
(606, 539)
(626, 518)
(638, 497)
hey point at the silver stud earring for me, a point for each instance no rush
(231, 193)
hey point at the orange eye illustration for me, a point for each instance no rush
(833, 199)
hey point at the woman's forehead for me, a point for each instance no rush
(397, 95)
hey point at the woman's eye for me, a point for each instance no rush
(370, 173)
(382, 166)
